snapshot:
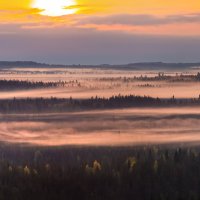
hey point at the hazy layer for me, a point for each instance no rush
(113, 127)
(104, 83)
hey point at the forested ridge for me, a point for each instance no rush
(70, 104)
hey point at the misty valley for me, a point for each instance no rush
(96, 132)
(84, 105)
(99, 100)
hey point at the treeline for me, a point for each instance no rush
(63, 105)
(23, 85)
(100, 173)
(159, 77)
(169, 78)
(34, 105)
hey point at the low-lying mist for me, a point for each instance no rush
(84, 83)
(165, 91)
(107, 127)
(111, 127)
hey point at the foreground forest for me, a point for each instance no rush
(142, 173)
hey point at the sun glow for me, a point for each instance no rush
(55, 7)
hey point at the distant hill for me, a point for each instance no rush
(162, 65)
(10, 64)
(133, 66)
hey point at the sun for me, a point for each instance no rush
(55, 7)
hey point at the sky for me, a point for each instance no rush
(100, 31)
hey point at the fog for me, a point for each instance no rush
(111, 127)
(106, 127)
(100, 82)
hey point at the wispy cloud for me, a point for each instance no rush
(138, 20)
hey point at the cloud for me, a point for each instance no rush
(140, 20)
(84, 39)
(86, 46)
(132, 23)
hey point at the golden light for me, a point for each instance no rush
(55, 7)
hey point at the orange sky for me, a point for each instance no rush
(116, 6)
(112, 18)
(24, 11)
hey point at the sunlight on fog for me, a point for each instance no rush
(111, 127)
(103, 127)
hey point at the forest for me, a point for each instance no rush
(160, 76)
(38, 105)
(6, 85)
(142, 173)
